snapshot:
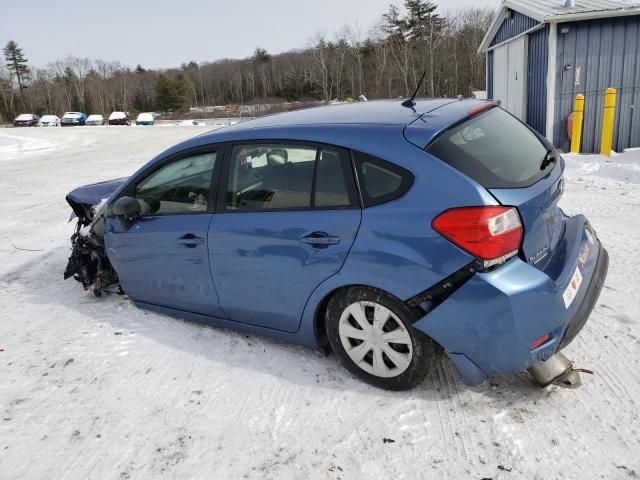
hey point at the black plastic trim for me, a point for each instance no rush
(439, 292)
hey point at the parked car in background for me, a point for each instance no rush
(49, 121)
(380, 230)
(119, 118)
(145, 119)
(95, 119)
(71, 119)
(26, 120)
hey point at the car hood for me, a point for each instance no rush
(82, 199)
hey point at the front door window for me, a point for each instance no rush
(181, 186)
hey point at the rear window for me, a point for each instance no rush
(495, 149)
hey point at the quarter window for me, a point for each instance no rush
(281, 177)
(381, 181)
(181, 186)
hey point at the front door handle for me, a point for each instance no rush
(190, 240)
(320, 240)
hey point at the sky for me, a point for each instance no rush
(165, 33)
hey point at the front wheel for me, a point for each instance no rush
(371, 332)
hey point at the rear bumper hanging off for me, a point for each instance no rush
(491, 323)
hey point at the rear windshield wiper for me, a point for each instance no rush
(549, 158)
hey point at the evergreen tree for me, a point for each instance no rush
(171, 94)
(422, 21)
(16, 63)
(260, 55)
(393, 24)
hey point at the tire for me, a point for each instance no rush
(398, 365)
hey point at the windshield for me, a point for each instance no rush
(117, 115)
(71, 115)
(495, 149)
(25, 116)
(48, 118)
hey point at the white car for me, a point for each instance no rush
(95, 120)
(49, 121)
(145, 119)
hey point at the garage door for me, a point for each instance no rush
(510, 76)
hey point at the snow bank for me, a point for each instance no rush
(621, 166)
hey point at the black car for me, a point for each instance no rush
(119, 118)
(26, 120)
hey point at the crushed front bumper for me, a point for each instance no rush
(488, 326)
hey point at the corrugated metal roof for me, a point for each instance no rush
(554, 10)
(547, 11)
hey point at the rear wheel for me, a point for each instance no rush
(371, 332)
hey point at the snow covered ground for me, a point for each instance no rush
(97, 389)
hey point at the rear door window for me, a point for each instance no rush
(495, 149)
(332, 175)
(289, 177)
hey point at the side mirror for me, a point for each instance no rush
(127, 207)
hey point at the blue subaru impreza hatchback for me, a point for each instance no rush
(388, 233)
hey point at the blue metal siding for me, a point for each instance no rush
(607, 55)
(512, 27)
(537, 85)
(490, 74)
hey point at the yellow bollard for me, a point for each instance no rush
(607, 121)
(578, 117)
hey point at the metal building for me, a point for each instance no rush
(542, 53)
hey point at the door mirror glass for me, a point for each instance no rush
(127, 207)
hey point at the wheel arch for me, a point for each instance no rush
(319, 317)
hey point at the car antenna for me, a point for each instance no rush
(409, 103)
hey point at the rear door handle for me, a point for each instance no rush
(320, 240)
(190, 240)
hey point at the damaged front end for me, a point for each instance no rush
(88, 263)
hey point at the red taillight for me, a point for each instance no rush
(492, 234)
(541, 341)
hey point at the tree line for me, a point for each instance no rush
(385, 63)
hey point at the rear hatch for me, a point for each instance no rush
(518, 167)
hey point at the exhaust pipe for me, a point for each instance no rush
(557, 370)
